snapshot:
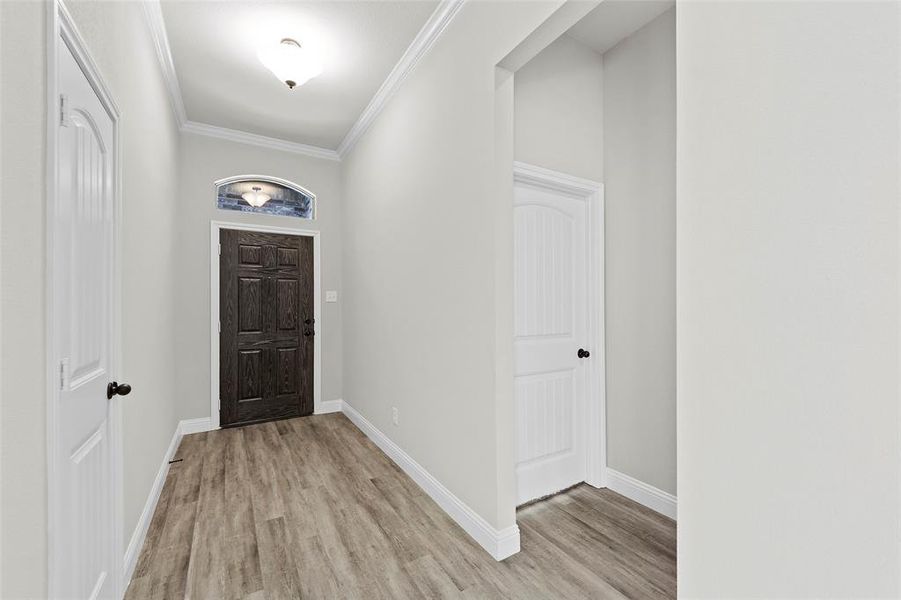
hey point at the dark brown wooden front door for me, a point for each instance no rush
(266, 319)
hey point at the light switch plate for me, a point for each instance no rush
(331, 296)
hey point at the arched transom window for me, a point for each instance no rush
(267, 195)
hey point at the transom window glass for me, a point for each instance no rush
(267, 195)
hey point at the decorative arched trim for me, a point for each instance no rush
(276, 181)
(92, 125)
(267, 178)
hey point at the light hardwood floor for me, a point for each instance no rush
(310, 508)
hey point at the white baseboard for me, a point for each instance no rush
(140, 532)
(499, 543)
(329, 406)
(195, 425)
(137, 537)
(641, 492)
(506, 541)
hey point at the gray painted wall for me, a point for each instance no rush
(211, 159)
(558, 107)
(421, 292)
(787, 249)
(119, 40)
(23, 414)
(640, 190)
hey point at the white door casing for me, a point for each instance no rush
(558, 396)
(83, 433)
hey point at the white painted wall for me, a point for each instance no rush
(23, 440)
(120, 42)
(211, 159)
(118, 39)
(558, 107)
(640, 189)
(505, 442)
(421, 293)
(787, 296)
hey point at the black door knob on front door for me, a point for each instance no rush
(584, 353)
(113, 388)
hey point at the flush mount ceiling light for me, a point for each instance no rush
(291, 63)
(256, 198)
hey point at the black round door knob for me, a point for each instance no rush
(584, 353)
(113, 388)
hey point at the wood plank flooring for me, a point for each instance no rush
(310, 508)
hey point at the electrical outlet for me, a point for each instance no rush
(394, 414)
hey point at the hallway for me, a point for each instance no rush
(310, 508)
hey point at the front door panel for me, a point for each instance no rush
(266, 315)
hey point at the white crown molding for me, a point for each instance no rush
(244, 137)
(556, 181)
(154, 14)
(419, 47)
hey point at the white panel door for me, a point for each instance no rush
(83, 248)
(550, 327)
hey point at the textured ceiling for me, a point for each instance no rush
(214, 48)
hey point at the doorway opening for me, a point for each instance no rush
(84, 440)
(558, 261)
(596, 102)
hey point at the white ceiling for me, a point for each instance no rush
(214, 49)
(615, 20)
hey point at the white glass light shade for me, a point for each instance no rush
(291, 63)
(256, 198)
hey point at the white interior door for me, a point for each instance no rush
(83, 228)
(550, 327)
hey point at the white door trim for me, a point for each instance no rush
(61, 27)
(215, 226)
(593, 193)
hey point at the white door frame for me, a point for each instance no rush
(592, 193)
(215, 227)
(61, 27)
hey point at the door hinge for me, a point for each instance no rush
(219, 326)
(220, 249)
(63, 110)
(63, 374)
